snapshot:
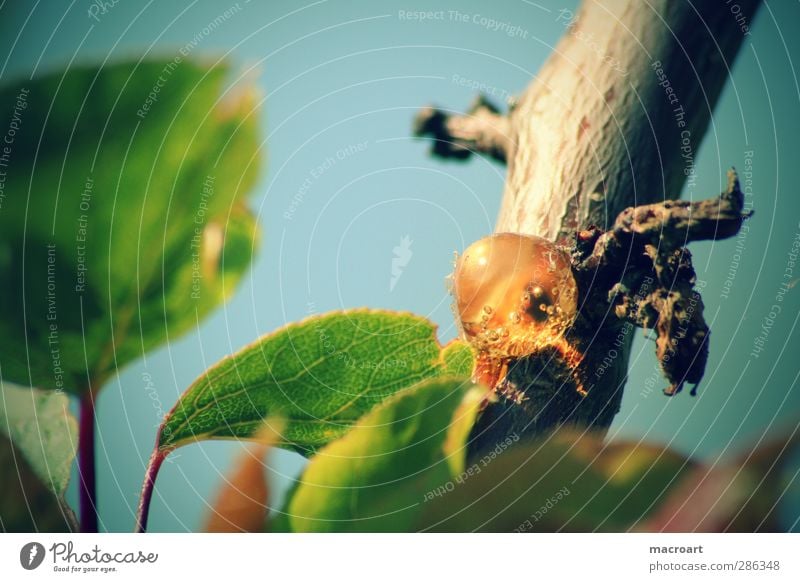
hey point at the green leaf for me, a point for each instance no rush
(119, 226)
(377, 477)
(37, 447)
(569, 482)
(321, 375)
(458, 358)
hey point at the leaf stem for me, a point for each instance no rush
(150, 475)
(86, 464)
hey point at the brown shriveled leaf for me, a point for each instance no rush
(752, 493)
(241, 502)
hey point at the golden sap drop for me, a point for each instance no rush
(518, 287)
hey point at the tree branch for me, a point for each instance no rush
(637, 274)
(481, 130)
(585, 141)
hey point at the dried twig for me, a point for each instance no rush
(641, 267)
(482, 130)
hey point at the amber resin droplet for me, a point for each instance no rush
(520, 287)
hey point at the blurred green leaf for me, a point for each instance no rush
(41, 426)
(321, 375)
(377, 477)
(568, 482)
(38, 436)
(123, 219)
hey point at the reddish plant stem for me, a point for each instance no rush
(86, 464)
(150, 475)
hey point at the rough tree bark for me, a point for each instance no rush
(613, 120)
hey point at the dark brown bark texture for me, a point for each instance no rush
(598, 148)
